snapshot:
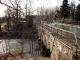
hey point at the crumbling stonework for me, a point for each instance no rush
(60, 49)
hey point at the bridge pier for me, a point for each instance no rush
(44, 51)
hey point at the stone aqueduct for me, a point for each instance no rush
(58, 45)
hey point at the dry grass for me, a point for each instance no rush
(37, 59)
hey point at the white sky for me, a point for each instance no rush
(37, 4)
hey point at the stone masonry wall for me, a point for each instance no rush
(58, 49)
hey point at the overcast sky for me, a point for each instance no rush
(37, 4)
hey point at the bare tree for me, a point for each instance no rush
(46, 13)
(42, 13)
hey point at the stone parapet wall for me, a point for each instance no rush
(61, 43)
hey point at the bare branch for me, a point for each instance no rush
(11, 3)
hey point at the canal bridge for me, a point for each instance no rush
(63, 40)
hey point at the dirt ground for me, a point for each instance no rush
(37, 59)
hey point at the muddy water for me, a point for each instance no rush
(27, 45)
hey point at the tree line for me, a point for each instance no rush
(16, 12)
(69, 11)
(66, 10)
